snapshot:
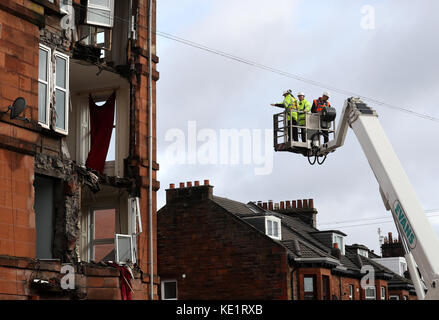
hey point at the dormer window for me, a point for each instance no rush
(339, 240)
(363, 253)
(272, 227)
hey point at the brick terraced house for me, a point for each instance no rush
(211, 247)
(75, 164)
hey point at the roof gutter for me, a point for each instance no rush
(311, 260)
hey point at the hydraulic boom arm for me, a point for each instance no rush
(419, 240)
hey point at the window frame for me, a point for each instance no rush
(98, 7)
(392, 297)
(383, 296)
(342, 247)
(278, 221)
(374, 297)
(48, 82)
(314, 286)
(116, 247)
(351, 292)
(92, 224)
(163, 289)
(66, 90)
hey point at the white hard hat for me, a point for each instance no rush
(300, 94)
(287, 92)
(326, 93)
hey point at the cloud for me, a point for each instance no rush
(318, 40)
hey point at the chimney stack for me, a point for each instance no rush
(282, 205)
(299, 204)
(264, 205)
(181, 184)
(390, 238)
(189, 184)
(270, 205)
(288, 204)
(206, 182)
(172, 186)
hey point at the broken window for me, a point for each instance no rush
(43, 86)
(169, 290)
(110, 224)
(100, 13)
(59, 82)
(44, 216)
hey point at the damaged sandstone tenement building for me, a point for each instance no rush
(75, 164)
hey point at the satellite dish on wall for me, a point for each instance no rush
(17, 107)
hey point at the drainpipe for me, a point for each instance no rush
(150, 162)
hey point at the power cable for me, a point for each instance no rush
(274, 70)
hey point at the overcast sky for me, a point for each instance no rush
(319, 40)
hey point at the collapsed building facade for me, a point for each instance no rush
(78, 164)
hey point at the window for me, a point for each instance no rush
(102, 234)
(351, 292)
(309, 288)
(43, 86)
(363, 253)
(370, 293)
(405, 298)
(100, 12)
(60, 81)
(383, 293)
(124, 248)
(169, 290)
(44, 216)
(339, 241)
(61, 92)
(393, 297)
(272, 227)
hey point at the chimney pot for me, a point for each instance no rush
(305, 203)
(288, 204)
(189, 184)
(294, 204)
(390, 238)
(206, 182)
(282, 205)
(197, 183)
(181, 184)
(172, 186)
(276, 206)
(264, 205)
(336, 245)
(299, 204)
(270, 205)
(311, 203)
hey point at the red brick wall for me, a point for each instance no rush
(221, 256)
(17, 217)
(19, 62)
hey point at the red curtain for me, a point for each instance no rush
(101, 127)
(126, 289)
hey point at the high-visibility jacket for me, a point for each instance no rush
(319, 104)
(303, 106)
(290, 103)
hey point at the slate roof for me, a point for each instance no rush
(298, 239)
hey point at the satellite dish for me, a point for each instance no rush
(18, 107)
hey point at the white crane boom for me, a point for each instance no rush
(419, 239)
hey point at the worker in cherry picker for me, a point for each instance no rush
(290, 105)
(303, 107)
(317, 107)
